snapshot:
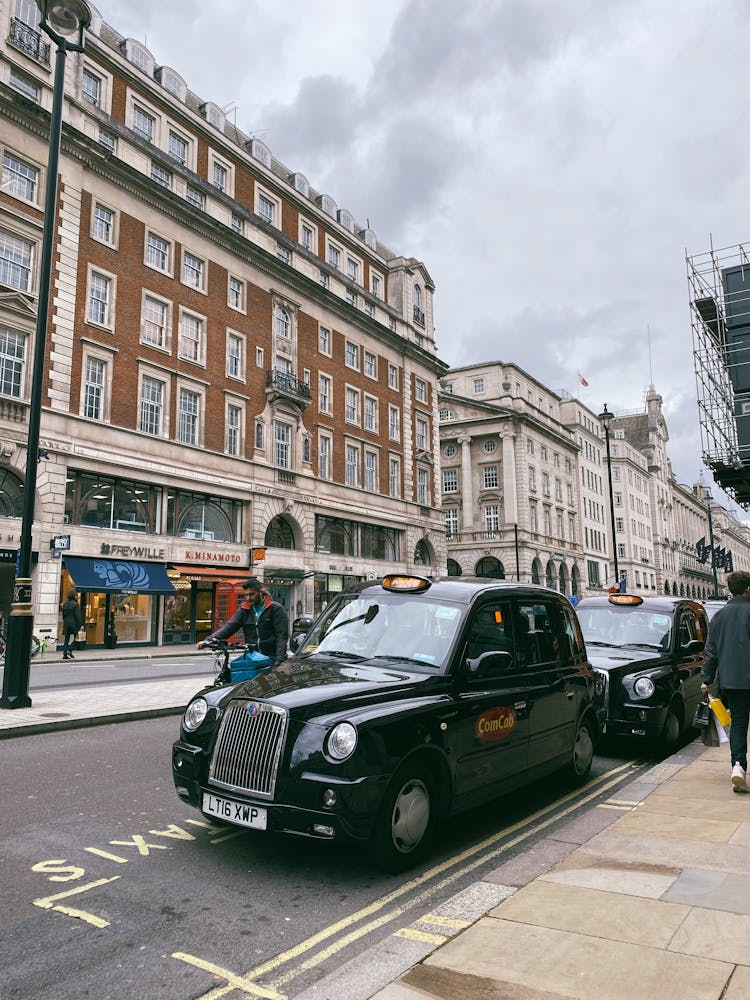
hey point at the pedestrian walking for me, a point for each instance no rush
(72, 617)
(728, 653)
(264, 621)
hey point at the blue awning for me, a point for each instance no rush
(117, 576)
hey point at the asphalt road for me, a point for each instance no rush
(79, 673)
(113, 888)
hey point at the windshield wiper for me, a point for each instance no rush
(340, 654)
(643, 645)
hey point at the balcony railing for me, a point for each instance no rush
(28, 41)
(285, 477)
(418, 316)
(286, 384)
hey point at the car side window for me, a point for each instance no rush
(537, 636)
(571, 638)
(490, 631)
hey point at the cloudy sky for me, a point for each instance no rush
(550, 161)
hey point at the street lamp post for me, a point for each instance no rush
(708, 497)
(605, 416)
(64, 21)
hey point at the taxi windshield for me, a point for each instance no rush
(625, 626)
(409, 629)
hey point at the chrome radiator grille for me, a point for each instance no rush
(248, 748)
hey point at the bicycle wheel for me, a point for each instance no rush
(35, 646)
(2, 650)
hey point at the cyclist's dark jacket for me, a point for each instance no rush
(271, 633)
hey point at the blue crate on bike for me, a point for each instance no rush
(245, 667)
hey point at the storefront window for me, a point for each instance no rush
(113, 619)
(328, 585)
(117, 504)
(381, 543)
(335, 535)
(194, 515)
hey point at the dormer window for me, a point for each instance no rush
(346, 220)
(301, 184)
(260, 152)
(328, 205)
(213, 114)
(418, 310)
(139, 55)
(172, 82)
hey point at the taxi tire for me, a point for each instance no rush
(670, 734)
(582, 755)
(405, 826)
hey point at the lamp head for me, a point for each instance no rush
(605, 416)
(66, 17)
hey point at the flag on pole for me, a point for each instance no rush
(582, 381)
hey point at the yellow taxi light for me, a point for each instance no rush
(499, 617)
(405, 583)
(625, 599)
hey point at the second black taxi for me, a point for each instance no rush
(647, 653)
(408, 701)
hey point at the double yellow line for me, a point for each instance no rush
(447, 872)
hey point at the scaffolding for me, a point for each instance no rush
(719, 289)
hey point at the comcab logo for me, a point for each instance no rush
(495, 724)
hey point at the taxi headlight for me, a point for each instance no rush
(342, 741)
(644, 687)
(195, 713)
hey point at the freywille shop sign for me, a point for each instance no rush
(131, 551)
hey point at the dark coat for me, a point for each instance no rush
(728, 645)
(269, 636)
(72, 616)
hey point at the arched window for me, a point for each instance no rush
(666, 587)
(204, 520)
(674, 589)
(536, 575)
(417, 297)
(11, 495)
(550, 575)
(279, 534)
(563, 579)
(682, 590)
(259, 435)
(453, 568)
(491, 567)
(422, 555)
(283, 323)
(574, 581)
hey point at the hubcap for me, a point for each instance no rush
(411, 816)
(583, 751)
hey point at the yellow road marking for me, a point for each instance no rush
(107, 855)
(624, 802)
(83, 915)
(433, 918)
(140, 842)
(235, 982)
(414, 935)
(48, 902)
(602, 783)
(229, 836)
(606, 805)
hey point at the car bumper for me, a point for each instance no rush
(298, 805)
(644, 721)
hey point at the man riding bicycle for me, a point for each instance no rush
(264, 621)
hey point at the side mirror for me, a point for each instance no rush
(492, 662)
(294, 642)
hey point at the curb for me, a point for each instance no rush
(35, 728)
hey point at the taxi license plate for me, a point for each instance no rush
(235, 812)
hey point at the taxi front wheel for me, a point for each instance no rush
(405, 826)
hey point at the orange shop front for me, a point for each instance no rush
(204, 597)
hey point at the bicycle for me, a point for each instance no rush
(221, 650)
(38, 645)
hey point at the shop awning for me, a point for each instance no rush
(269, 575)
(211, 572)
(118, 575)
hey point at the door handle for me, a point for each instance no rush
(519, 706)
(570, 694)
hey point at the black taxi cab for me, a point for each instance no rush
(408, 701)
(647, 653)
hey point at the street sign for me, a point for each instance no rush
(60, 543)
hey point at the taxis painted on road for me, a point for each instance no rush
(647, 653)
(408, 701)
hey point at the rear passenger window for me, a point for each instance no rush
(490, 631)
(536, 636)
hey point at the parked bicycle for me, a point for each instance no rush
(38, 645)
(221, 650)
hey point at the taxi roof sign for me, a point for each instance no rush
(631, 599)
(410, 584)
